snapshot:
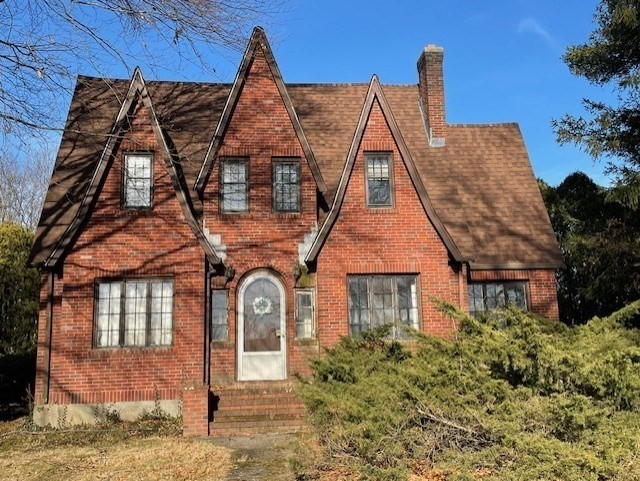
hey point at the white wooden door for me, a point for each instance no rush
(261, 328)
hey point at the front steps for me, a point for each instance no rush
(246, 408)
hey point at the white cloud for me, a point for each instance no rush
(531, 25)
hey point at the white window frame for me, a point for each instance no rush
(224, 163)
(127, 180)
(298, 322)
(369, 157)
(118, 311)
(224, 292)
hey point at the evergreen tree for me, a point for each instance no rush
(600, 243)
(610, 57)
(19, 285)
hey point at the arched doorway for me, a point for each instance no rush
(261, 328)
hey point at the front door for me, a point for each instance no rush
(261, 328)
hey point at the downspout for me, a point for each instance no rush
(206, 375)
(49, 342)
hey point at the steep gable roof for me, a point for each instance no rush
(375, 93)
(137, 92)
(480, 184)
(258, 41)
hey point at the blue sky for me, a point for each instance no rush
(502, 60)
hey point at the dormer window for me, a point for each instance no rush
(379, 180)
(138, 181)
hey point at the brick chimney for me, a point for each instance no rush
(431, 87)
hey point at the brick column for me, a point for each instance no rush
(195, 410)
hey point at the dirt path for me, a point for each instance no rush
(259, 457)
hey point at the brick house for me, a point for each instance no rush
(200, 242)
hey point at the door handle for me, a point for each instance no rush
(279, 334)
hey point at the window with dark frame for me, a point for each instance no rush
(286, 185)
(234, 185)
(138, 180)
(487, 296)
(305, 325)
(378, 180)
(134, 313)
(219, 315)
(378, 300)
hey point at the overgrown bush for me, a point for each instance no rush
(512, 397)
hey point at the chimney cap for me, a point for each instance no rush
(433, 48)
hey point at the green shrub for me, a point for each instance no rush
(513, 397)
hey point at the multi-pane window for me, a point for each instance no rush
(219, 315)
(138, 182)
(304, 314)
(378, 300)
(234, 185)
(137, 312)
(286, 185)
(487, 296)
(378, 180)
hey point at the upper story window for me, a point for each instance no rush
(379, 180)
(486, 296)
(286, 185)
(138, 180)
(234, 185)
(134, 312)
(378, 300)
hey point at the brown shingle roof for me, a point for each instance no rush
(481, 183)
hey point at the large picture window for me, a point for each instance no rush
(378, 180)
(138, 180)
(486, 296)
(136, 312)
(378, 300)
(234, 185)
(286, 185)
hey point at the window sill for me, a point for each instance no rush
(98, 352)
(306, 342)
(221, 344)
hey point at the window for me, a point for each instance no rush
(378, 180)
(137, 312)
(378, 300)
(304, 314)
(234, 185)
(286, 185)
(219, 315)
(488, 296)
(138, 182)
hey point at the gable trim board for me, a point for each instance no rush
(374, 93)
(258, 40)
(137, 92)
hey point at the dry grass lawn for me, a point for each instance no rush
(151, 451)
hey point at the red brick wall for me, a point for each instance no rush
(260, 129)
(394, 240)
(195, 408)
(543, 294)
(127, 243)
